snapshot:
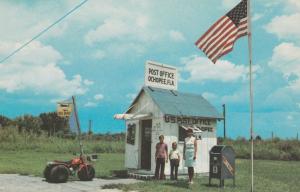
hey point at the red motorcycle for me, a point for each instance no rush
(59, 171)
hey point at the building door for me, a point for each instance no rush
(146, 144)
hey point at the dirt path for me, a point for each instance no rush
(18, 183)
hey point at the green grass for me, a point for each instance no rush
(33, 163)
(28, 154)
(270, 176)
(275, 149)
(11, 140)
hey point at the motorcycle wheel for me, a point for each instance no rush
(47, 171)
(59, 174)
(86, 173)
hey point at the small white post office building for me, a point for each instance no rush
(157, 111)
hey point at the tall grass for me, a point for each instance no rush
(275, 149)
(11, 140)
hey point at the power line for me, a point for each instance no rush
(42, 32)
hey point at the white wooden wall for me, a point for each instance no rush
(170, 131)
(204, 145)
(132, 151)
(135, 150)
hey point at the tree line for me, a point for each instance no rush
(49, 123)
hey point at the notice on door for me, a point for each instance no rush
(160, 75)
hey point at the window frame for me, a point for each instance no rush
(181, 134)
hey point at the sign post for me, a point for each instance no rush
(160, 75)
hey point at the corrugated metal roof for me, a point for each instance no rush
(181, 104)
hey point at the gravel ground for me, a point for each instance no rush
(18, 183)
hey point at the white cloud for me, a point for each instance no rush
(201, 69)
(98, 97)
(134, 26)
(88, 82)
(285, 26)
(227, 4)
(122, 28)
(128, 34)
(36, 69)
(293, 5)
(209, 96)
(111, 29)
(90, 104)
(131, 96)
(99, 54)
(27, 21)
(257, 16)
(290, 117)
(283, 99)
(270, 4)
(237, 97)
(286, 59)
(176, 36)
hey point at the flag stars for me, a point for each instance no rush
(238, 12)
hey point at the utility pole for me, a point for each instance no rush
(297, 136)
(272, 135)
(224, 120)
(90, 127)
(78, 125)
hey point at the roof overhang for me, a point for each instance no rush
(130, 116)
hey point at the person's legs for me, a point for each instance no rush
(162, 168)
(172, 168)
(176, 172)
(176, 169)
(157, 166)
(191, 174)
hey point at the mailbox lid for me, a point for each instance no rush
(217, 149)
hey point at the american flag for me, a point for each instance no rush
(220, 37)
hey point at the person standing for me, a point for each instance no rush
(190, 153)
(161, 157)
(174, 157)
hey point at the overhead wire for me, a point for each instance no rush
(42, 32)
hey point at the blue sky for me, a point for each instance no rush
(98, 54)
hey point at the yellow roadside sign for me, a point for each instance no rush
(64, 109)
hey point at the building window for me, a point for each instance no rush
(181, 133)
(131, 133)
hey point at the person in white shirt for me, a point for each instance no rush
(190, 153)
(174, 160)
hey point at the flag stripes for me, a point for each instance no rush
(220, 37)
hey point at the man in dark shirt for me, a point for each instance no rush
(161, 157)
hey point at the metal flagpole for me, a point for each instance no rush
(78, 125)
(224, 120)
(251, 87)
